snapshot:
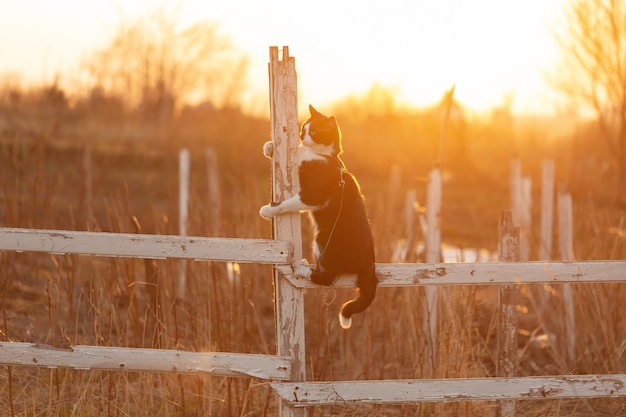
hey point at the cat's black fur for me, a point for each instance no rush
(343, 238)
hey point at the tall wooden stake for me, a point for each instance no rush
(289, 301)
(508, 294)
(215, 194)
(183, 214)
(520, 207)
(547, 209)
(545, 245)
(433, 252)
(87, 195)
(566, 250)
(411, 217)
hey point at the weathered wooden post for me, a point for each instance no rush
(545, 243)
(215, 194)
(289, 300)
(183, 214)
(508, 294)
(566, 250)
(403, 248)
(547, 209)
(87, 187)
(520, 207)
(395, 180)
(411, 217)
(433, 252)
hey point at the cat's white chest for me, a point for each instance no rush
(305, 154)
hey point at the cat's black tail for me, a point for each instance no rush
(367, 291)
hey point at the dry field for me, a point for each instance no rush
(131, 186)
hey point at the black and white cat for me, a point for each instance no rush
(343, 239)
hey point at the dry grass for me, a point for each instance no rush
(62, 299)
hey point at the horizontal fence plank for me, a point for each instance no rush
(146, 360)
(305, 394)
(261, 251)
(481, 273)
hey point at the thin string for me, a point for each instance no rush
(342, 183)
(328, 302)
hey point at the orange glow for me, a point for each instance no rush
(488, 48)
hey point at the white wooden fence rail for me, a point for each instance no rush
(265, 251)
(146, 360)
(487, 273)
(307, 394)
(262, 251)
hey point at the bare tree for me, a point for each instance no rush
(156, 65)
(593, 70)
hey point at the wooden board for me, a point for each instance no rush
(146, 360)
(260, 251)
(307, 394)
(402, 275)
(508, 296)
(289, 300)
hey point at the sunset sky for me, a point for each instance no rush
(487, 48)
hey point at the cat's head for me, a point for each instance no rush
(321, 134)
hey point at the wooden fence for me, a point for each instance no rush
(286, 370)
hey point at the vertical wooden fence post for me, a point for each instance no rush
(547, 209)
(393, 198)
(525, 220)
(183, 211)
(395, 180)
(289, 300)
(411, 216)
(520, 207)
(545, 243)
(566, 250)
(508, 294)
(87, 197)
(433, 252)
(215, 194)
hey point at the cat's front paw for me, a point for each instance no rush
(268, 149)
(302, 269)
(268, 211)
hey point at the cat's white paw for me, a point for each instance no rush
(345, 322)
(267, 211)
(268, 149)
(302, 269)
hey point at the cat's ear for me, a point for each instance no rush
(313, 111)
(332, 122)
